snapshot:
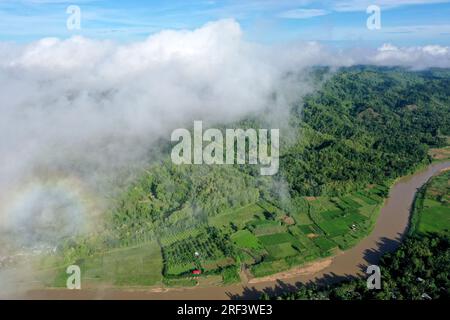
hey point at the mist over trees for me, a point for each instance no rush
(366, 125)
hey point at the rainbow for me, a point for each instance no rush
(42, 199)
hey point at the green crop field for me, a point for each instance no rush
(266, 244)
(268, 229)
(239, 216)
(139, 266)
(259, 236)
(246, 239)
(324, 244)
(277, 238)
(269, 267)
(432, 206)
(206, 251)
(282, 250)
(334, 226)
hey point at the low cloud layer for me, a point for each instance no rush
(83, 110)
(412, 57)
(77, 111)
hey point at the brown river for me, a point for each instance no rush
(390, 227)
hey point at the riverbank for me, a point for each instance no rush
(390, 228)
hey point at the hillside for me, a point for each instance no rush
(348, 141)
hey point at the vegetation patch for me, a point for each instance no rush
(324, 244)
(210, 250)
(246, 239)
(282, 250)
(431, 213)
(139, 266)
(277, 238)
(350, 139)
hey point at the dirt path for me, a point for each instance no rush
(308, 269)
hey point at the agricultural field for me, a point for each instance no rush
(136, 266)
(270, 242)
(432, 207)
(238, 217)
(260, 237)
(246, 239)
(208, 252)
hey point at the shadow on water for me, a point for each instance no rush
(385, 245)
(280, 287)
(371, 256)
(386, 241)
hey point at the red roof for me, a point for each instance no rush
(196, 271)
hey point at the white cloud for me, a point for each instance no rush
(76, 113)
(86, 109)
(302, 13)
(414, 57)
(361, 5)
(83, 110)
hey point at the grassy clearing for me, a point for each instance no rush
(246, 239)
(431, 212)
(435, 218)
(348, 202)
(180, 283)
(277, 238)
(310, 229)
(247, 258)
(344, 223)
(280, 251)
(269, 267)
(140, 266)
(231, 275)
(366, 198)
(324, 244)
(238, 217)
(268, 229)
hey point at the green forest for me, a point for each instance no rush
(418, 270)
(347, 143)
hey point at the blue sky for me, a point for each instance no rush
(403, 22)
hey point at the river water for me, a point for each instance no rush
(389, 229)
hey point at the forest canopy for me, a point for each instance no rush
(365, 125)
(343, 147)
